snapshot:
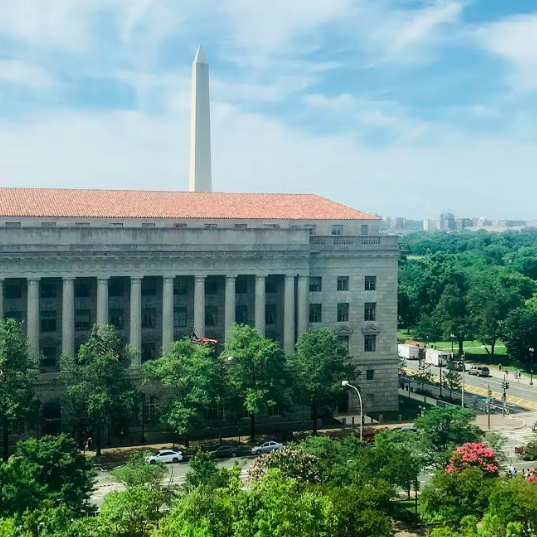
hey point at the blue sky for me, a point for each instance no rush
(400, 107)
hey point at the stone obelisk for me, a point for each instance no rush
(200, 126)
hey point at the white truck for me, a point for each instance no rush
(409, 352)
(437, 358)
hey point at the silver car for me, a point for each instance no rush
(267, 447)
(165, 455)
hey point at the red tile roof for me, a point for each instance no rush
(74, 203)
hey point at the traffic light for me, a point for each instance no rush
(505, 385)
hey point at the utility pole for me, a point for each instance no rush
(489, 401)
(505, 386)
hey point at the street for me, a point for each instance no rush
(176, 473)
(520, 393)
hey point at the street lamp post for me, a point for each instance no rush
(347, 384)
(452, 336)
(440, 365)
(531, 351)
(463, 357)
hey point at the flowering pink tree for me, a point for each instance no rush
(475, 454)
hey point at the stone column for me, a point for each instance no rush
(33, 317)
(135, 333)
(230, 303)
(1, 299)
(303, 305)
(68, 317)
(260, 304)
(167, 313)
(289, 315)
(102, 301)
(199, 306)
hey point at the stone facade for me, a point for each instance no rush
(157, 284)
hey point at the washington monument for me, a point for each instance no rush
(200, 126)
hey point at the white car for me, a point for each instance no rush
(267, 447)
(165, 455)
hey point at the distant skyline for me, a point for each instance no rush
(391, 106)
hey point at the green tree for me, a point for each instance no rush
(137, 473)
(520, 332)
(515, 500)
(423, 375)
(190, 377)
(452, 380)
(17, 372)
(255, 371)
(134, 512)
(454, 314)
(204, 472)
(450, 497)
(46, 470)
(319, 364)
(443, 429)
(96, 382)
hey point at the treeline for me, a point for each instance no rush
(252, 374)
(471, 286)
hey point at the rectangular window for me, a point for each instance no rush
(270, 314)
(241, 285)
(370, 311)
(116, 224)
(311, 228)
(370, 374)
(211, 316)
(316, 313)
(82, 289)
(149, 317)
(115, 287)
(343, 312)
(241, 314)
(13, 224)
(337, 230)
(149, 286)
(342, 283)
(179, 225)
(370, 283)
(241, 226)
(48, 224)
(370, 400)
(116, 318)
(210, 226)
(211, 286)
(48, 289)
(82, 319)
(272, 226)
(344, 341)
(316, 284)
(364, 230)
(48, 321)
(179, 317)
(370, 343)
(149, 351)
(13, 289)
(270, 285)
(15, 315)
(180, 286)
(82, 224)
(49, 357)
(148, 224)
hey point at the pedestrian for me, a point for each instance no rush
(500, 366)
(515, 471)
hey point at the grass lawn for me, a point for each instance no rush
(472, 347)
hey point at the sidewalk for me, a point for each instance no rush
(499, 423)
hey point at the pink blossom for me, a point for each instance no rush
(473, 454)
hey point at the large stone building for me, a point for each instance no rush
(160, 265)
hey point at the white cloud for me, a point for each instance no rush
(514, 39)
(254, 153)
(20, 73)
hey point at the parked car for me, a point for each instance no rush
(456, 365)
(165, 455)
(225, 451)
(407, 428)
(267, 447)
(479, 371)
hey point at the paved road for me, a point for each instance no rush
(519, 392)
(175, 474)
